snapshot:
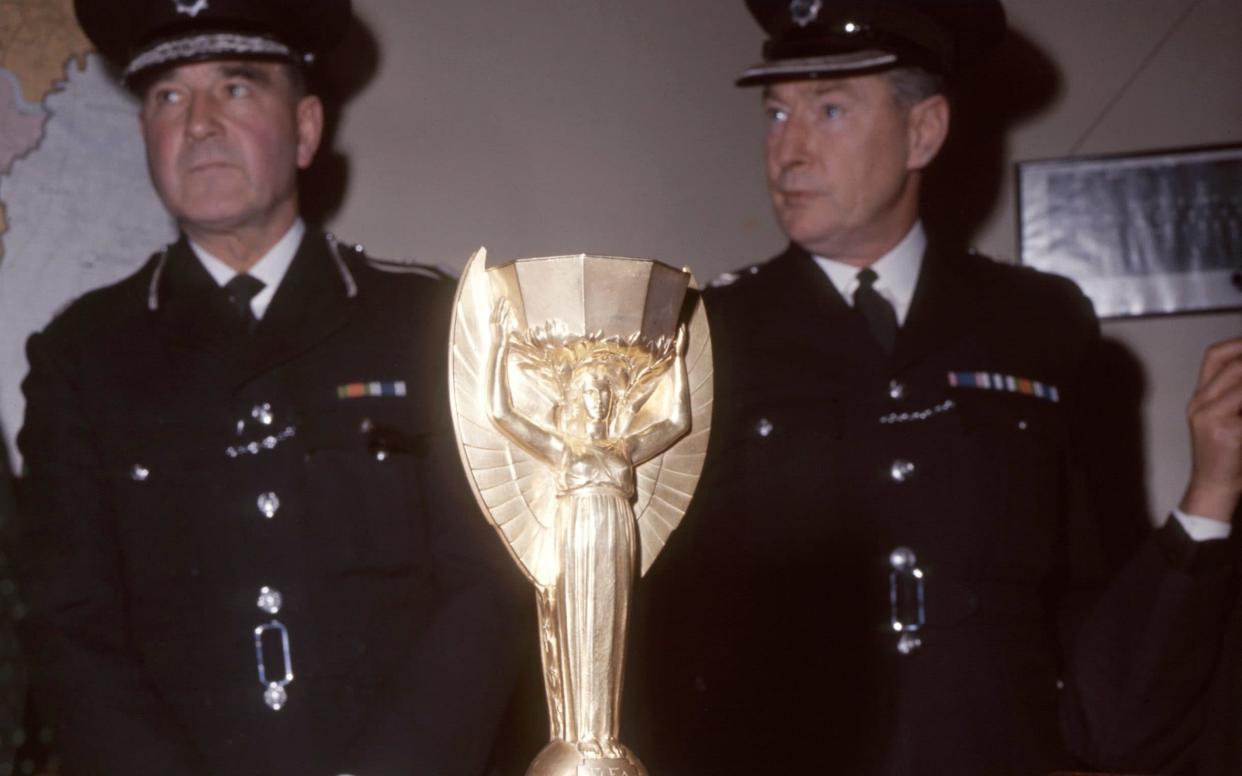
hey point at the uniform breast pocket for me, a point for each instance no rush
(1016, 445)
(364, 484)
(157, 482)
(780, 459)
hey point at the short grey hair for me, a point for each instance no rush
(912, 85)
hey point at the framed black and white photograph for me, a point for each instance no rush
(1141, 234)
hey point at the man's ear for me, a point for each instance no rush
(309, 117)
(928, 127)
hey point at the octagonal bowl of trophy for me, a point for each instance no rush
(581, 391)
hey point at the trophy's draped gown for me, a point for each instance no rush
(597, 537)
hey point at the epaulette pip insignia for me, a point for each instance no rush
(729, 278)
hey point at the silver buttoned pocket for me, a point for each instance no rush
(779, 462)
(369, 464)
(1018, 457)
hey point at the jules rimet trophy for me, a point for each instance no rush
(581, 392)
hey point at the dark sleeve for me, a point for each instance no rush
(86, 678)
(1141, 612)
(443, 713)
(1143, 660)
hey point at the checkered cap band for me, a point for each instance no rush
(205, 46)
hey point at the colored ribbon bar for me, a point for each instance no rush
(378, 388)
(994, 381)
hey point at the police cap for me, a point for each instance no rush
(141, 36)
(834, 38)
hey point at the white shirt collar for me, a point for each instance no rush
(270, 268)
(897, 272)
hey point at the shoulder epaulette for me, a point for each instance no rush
(341, 248)
(404, 267)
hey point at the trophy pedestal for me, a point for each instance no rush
(561, 758)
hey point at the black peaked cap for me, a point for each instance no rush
(834, 38)
(142, 35)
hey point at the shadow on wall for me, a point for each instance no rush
(343, 75)
(964, 184)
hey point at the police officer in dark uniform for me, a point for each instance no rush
(891, 566)
(248, 547)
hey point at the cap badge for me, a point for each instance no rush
(189, 9)
(804, 11)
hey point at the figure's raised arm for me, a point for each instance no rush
(659, 436)
(537, 441)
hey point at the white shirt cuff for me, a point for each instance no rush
(1203, 529)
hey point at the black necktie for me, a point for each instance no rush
(241, 289)
(875, 310)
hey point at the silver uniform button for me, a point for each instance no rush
(908, 642)
(896, 390)
(902, 558)
(901, 470)
(139, 473)
(270, 600)
(262, 413)
(764, 427)
(269, 503)
(275, 696)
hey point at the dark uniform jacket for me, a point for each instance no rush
(1217, 748)
(889, 558)
(182, 472)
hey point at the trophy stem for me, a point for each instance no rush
(582, 625)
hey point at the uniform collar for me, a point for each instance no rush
(897, 271)
(271, 268)
(201, 329)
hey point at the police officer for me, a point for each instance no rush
(248, 549)
(890, 560)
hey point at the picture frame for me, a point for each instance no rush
(1142, 234)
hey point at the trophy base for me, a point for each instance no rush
(561, 758)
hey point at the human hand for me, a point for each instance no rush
(1215, 416)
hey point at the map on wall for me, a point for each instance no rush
(77, 210)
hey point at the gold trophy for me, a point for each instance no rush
(581, 390)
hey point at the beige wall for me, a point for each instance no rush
(563, 126)
(559, 126)
(612, 126)
(1148, 74)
